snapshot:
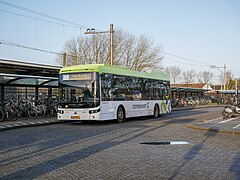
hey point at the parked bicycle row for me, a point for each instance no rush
(16, 107)
(190, 101)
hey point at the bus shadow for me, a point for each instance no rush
(82, 123)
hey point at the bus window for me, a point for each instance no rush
(137, 95)
(106, 83)
(119, 88)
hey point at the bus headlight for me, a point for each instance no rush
(94, 111)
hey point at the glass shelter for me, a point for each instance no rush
(27, 79)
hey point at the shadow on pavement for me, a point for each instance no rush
(235, 167)
(192, 153)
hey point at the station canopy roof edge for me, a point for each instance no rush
(16, 73)
(228, 91)
(186, 89)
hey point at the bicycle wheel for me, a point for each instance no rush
(23, 114)
(48, 112)
(1, 114)
(13, 114)
(54, 111)
(32, 113)
(40, 111)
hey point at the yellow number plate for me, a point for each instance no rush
(75, 117)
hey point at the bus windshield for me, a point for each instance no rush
(79, 90)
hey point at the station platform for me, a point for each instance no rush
(228, 126)
(9, 124)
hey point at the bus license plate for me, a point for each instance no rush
(75, 117)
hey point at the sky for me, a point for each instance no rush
(203, 32)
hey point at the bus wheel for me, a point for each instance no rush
(156, 111)
(120, 114)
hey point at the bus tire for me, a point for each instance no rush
(120, 114)
(156, 111)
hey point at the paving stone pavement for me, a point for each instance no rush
(114, 151)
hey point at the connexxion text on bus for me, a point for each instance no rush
(102, 92)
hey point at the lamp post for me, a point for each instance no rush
(236, 90)
(92, 31)
(224, 73)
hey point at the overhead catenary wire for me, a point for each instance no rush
(188, 59)
(43, 15)
(200, 63)
(3, 42)
(39, 19)
(181, 62)
(7, 43)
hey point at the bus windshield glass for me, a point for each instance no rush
(79, 90)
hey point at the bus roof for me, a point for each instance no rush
(103, 68)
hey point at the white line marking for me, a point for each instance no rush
(228, 120)
(178, 142)
(236, 126)
(8, 125)
(219, 118)
(39, 122)
(24, 124)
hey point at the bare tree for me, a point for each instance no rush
(229, 76)
(90, 49)
(204, 77)
(174, 73)
(189, 76)
(199, 77)
(137, 53)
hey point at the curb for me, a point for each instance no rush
(213, 130)
(27, 124)
(197, 107)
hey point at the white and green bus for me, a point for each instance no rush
(102, 92)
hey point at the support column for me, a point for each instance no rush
(36, 93)
(111, 44)
(225, 77)
(2, 93)
(49, 92)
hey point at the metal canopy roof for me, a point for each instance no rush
(15, 73)
(22, 80)
(23, 68)
(184, 89)
(227, 91)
